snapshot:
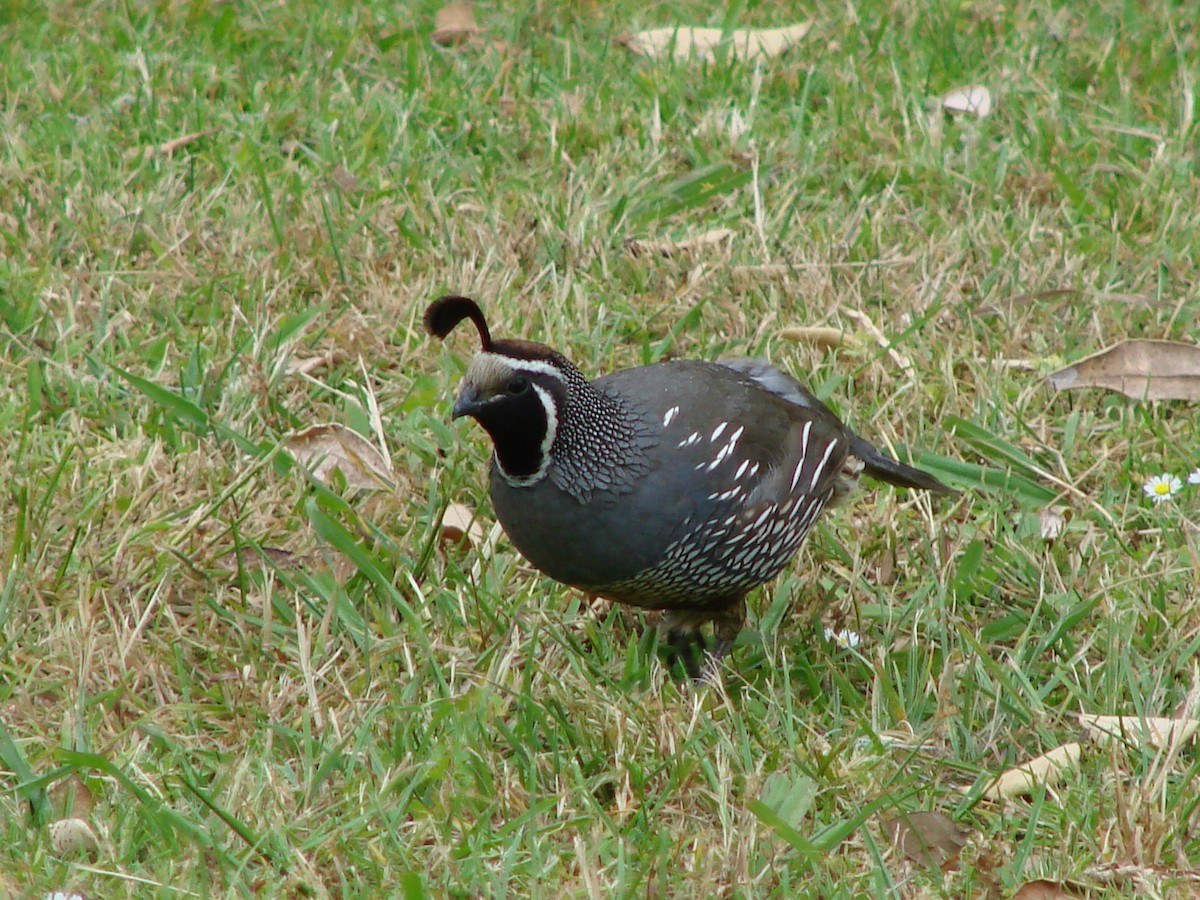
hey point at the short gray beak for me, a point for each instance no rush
(466, 404)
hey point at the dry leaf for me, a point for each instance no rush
(976, 100)
(459, 526)
(702, 43)
(1053, 520)
(346, 180)
(819, 336)
(669, 248)
(74, 796)
(1152, 731)
(169, 148)
(1141, 370)
(1044, 890)
(455, 24)
(1046, 769)
(323, 448)
(69, 837)
(930, 838)
(306, 365)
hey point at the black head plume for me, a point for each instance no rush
(446, 312)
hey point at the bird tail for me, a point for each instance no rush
(884, 468)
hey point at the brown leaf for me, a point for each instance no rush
(1141, 370)
(669, 248)
(455, 24)
(1150, 731)
(74, 796)
(930, 838)
(169, 148)
(346, 180)
(1046, 769)
(1045, 890)
(306, 365)
(819, 336)
(702, 43)
(459, 526)
(323, 448)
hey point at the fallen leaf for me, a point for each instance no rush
(930, 838)
(346, 180)
(1044, 890)
(169, 148)
(459, 526)
(455, 24)
(1139, 369)
(306, 365)
(819, 336)
(702, 43)
(74, 796)
(976, 100)
(323, 448)
(70, 837)
(1046, 769)
(669, 248)
(1151, 731)
(1053, 520)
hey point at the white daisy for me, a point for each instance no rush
(846, 639)
(1194, 477)
(1162, 488)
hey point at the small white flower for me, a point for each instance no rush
(846, 639)
(1163, 487)
(1194, 477)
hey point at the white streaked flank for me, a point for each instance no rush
(823, 463)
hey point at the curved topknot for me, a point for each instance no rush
(446, 312)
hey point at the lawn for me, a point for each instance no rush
(220, 224)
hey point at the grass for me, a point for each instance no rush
(251, 683)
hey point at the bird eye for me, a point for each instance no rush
(518, 385)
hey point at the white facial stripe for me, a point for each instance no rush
(551, 423)
(497, 366)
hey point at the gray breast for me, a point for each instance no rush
(731, 485)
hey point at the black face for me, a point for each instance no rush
(518, 416)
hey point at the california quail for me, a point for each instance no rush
(678, 486)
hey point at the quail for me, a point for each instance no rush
(678, 486)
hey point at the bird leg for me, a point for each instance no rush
(727, 625)
(687, 646)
